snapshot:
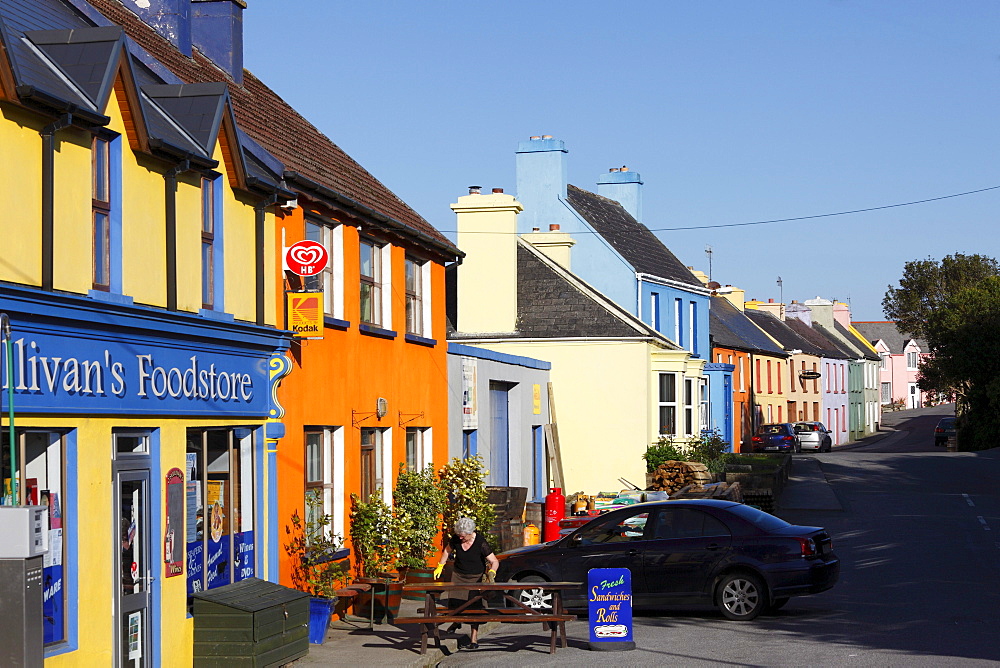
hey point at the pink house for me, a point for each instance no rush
(901, 356)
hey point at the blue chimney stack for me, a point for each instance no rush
(624, 187)
(170, 18)
(217, 31)
(541, 181)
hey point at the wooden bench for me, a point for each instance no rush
(474, 610)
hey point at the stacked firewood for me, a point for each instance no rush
(671, 476)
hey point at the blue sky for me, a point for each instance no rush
(731, 111)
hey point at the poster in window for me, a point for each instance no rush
(172, 543)
(470, 404)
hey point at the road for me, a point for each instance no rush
(918, 533)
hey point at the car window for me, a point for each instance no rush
(947, 423)
(774, 429)
(687, 523)
(758, 517)
(621, 529)
(803, 427)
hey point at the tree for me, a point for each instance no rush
(955, 306)
(927, 286)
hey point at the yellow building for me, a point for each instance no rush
(617, 383)
(141, 299)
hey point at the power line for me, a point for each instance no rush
(781, 220)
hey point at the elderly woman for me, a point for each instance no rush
(474, 558)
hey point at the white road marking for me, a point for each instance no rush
(986, 527)
(968, 500)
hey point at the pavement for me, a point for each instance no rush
(350, 644)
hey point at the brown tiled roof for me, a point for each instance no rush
(276, 126)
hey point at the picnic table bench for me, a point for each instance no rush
(477, 611)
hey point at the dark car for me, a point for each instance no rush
(721, 553)
(813, 436)
(945, 428)
(775, 438)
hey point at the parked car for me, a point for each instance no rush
(775, 438)
(699, 551)
(944, 430)
(814, 436)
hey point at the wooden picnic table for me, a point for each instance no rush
(477, 611)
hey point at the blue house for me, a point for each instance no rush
(619, 256)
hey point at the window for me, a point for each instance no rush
(827, 378)
(101, 213)
(371, 283)
(673, 523)
(40, 477)
(678, 324)
(654, 310)
(207, 243)
(371, 462)
(758, 387)
(320, 469)
(220, 527)
(769, 390)
(883, 360)
(417, 448)
(630, 528)
(415, 319)
(469, 443)
(703, 412)
(693, 327)
(778, 374)
(815, 381)
(668, 403)
(689, 403)
(886, 393)
(911, 360)
(743, 387)
(325, 282)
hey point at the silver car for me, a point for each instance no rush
(814, 436)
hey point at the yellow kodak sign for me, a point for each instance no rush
(305, 314)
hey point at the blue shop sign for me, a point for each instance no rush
(55, 372)
(609, 600)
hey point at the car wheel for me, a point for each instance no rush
(536, 599)
(777, 604)
(741, 596)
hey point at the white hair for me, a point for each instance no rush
(465, 525)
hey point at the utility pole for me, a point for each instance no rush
(781, 291)
(708, 253)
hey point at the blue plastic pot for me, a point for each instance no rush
(320, 610)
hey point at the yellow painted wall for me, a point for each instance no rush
(144, 240)
(21, 259)
(96, 535)
(602, 404)
(72, 242)
(240, 256)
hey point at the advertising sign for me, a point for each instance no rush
(609, 600)
(306, 258)
(305, 314)
(173, 548)
(470, 400)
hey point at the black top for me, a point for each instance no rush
(473, 560)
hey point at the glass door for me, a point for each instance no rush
(134, 569)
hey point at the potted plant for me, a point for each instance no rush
(463, 482)
(418, 502)
(316, 559)
(375, 540)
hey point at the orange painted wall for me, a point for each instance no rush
(348, 371)
(741, 395)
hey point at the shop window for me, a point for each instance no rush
(40, 476)
(220, 509)
(668, 403)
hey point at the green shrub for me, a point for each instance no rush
(662, 451)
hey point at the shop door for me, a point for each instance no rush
(133, 568)
(499, 434)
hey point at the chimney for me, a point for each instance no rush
(842, 313)
(487, 232)
(624, 187)
(822, 311)
(541, 180)
(774, 308)
(700, 275)
(799, 312)
(217, 31)
(170, 18)
(555, 244)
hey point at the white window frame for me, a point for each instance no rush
(422, 295)
(420, 446)
(689, 405)
(665, 402)
(379, 288)
(912, 360)
(331, 280)
(331, 469)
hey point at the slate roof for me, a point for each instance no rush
(819, 338)
(834, 343)
(276, 126)
(633, 240)
(781, 332)
(856, 343)
(730, 327)
(554, 303)
(887, 331)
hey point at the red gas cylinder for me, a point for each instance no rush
(555, 510)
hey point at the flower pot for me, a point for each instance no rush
(418, 576)
(320, 610)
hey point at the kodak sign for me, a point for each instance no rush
(305, 314)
